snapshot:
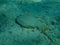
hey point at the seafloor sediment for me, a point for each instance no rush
(29, 22)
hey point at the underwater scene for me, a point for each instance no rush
(29, 22)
